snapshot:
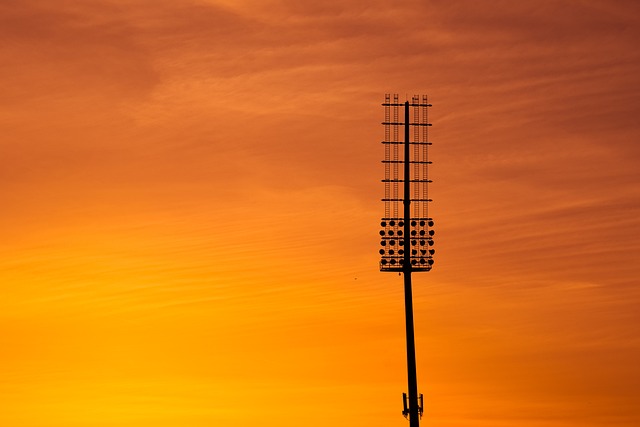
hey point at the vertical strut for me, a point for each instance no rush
(414, 411)
(416, 156)
(425, 157)
(395, 155)
(387, 156)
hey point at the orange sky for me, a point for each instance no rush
(191, 197)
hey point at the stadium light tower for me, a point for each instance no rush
(406, 236)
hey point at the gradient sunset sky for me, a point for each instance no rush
(190, 206)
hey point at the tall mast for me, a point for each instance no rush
(406, 238)
(414, 408)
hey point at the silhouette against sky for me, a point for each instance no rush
(191, 204)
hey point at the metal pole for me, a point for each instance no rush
(414, 415)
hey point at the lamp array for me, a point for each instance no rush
(394, 244)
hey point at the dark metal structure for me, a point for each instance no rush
(406, 236)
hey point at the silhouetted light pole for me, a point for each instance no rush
(407, 236)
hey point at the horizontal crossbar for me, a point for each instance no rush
(410, 161)
(402, 143)
(403, 104)
(402, 124)
(412, 180)
(402, 200)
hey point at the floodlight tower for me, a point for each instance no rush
(407, 235)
